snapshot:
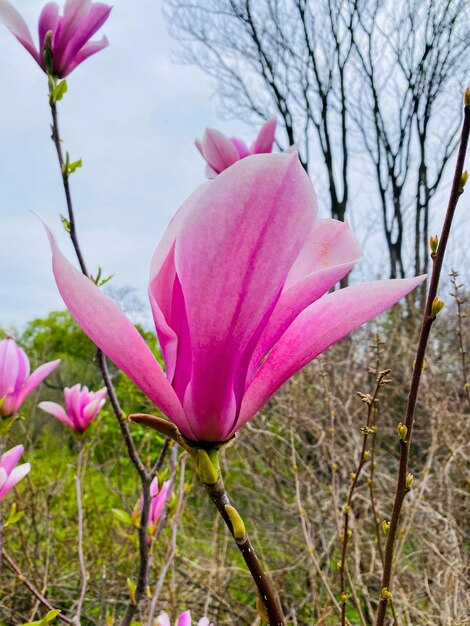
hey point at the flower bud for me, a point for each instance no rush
(434, 243)
(347, 508)
(437, 306)
(239, 531)
(463, 180)
(344, 597)
(385, 527)
(366, 456)
(466, 97)
(402, 431)
(409, 481)
(386, 595)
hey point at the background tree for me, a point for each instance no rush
(344, 75)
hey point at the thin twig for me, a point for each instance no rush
(428, 319)
(27, 583)
(81, 556)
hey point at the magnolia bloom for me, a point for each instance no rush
(157, 503)
(69, 34)
(15, 381)
(10, 472)
(183, 620)
(239, 295)
(81, 407)
(220, 152)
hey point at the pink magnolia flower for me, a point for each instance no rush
(239, 294)
(220, 152)
(157, 503)
(10, 472)
(183, 620)
(69, 34)
(15, 381)
(81, 407)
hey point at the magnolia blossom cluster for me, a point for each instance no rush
(157, 504)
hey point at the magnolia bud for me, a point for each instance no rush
(385, 527)
(409, 481)
(433, 243)
(386, 595)
(463, 180)
(402, 431)
(437, 306)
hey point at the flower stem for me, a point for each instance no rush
(219, 497)
(144, 475)
(81, 556)
(428, 319)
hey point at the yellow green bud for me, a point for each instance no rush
(402, 431)
(409, 481)
(352, 476)
(131, 586)
(366, 456)
(339, 567)
(434, 243)
(437, 306)
(344, 597)
(463, 180)
(385, 527)
(466, 97)
(206, 468)
(386, 595)
(239, 531)
(347, 508)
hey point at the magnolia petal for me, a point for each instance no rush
(241, 147)
(86, 51)
(57, 411)
(14, 478)
(184, 619)
(13, 21)
(320, 325)
(10, 458)
(265, 207)
(3, 478)
(265, 140)
(48, 22)
(218, 150)
(328, 255)
(35, 380)
(104, 322)
(163, 620)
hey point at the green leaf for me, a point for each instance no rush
(71, 167)
(47, 619)
(59, 91)
(13, 516)
(132, 589)
(122, 516)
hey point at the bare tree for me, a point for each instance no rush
(290, 56)
(412, 58)
(344, 75)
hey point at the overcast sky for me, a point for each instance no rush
(132, 115)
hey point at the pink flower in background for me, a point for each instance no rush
(69, 34)
(220, 152)
(81, 407)
(157, 503)
(10, 472)
(239, 295)
(15, 381)
(183, 620)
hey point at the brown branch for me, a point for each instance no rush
(27, 583)
(428, 319)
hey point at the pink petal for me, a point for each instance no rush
(163, 620)
(10, 459)
(3, 478)
(35, 380)
(104, 322)
(13, 20)
(158, 501)
(265, 140)
(241, 147)
(320, 325)
(254, 217)
(76, 49)
(204, 621)
(328, 255)
(154, 487)
(14, 368)
(57, 411)
(184, 619)
(14, 478)
(218, 150)
(48, 22)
